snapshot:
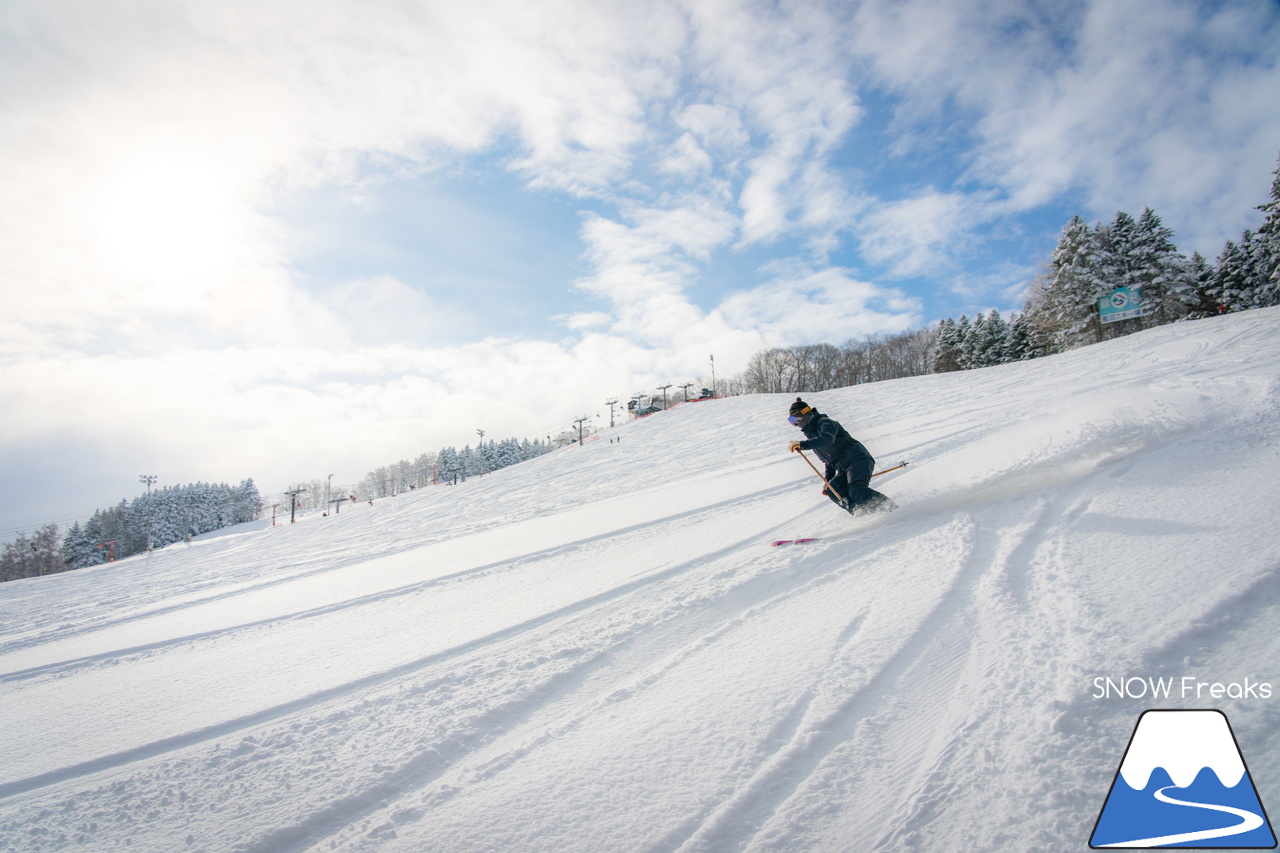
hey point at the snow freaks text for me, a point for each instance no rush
(1186, 687)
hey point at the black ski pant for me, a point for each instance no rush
(850, 480)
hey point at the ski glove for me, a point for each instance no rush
(793, 446)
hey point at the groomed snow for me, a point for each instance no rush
(598, 650)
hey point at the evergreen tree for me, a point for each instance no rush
(1119, 256)
(450, 465)
(247, 502)
(78, 549)
(946, 350)
(977, 341)
(166, 511)
(473, 464)
(1257, 263)
(535, 448)
(1063, 306)
(996, 349)
(508, 453)
(964, 341)
(1267, 262)
(1232, 286)
(1201, 302)
(166, 515)
(1159, 272)
(1022, 344)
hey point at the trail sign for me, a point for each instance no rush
(1123, 303)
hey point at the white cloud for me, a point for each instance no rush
(585, 321)
(779, 77)
(823, 306)
(316, 93)
(385, 310)
(686, 159)
(1169, 104)
(716, 127)
(922, 234)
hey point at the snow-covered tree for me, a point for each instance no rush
(79, 550)
(969, 331)
(1201, 301)
(977, 341)
(1063, 300)
(995, 348)
(1022, 345)
(1267, 260)
(1234, 277)
(1159, 272)
(450, 465)
(946, 349)
(164, 516)
(32, 556)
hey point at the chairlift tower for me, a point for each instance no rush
(293, 502)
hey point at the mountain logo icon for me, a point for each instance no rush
(1183, 783)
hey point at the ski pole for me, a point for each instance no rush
(816, 471)
(894, 468)
(876, 474)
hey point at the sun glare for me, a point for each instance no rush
(168, 219)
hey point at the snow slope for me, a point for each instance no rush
(599, 651)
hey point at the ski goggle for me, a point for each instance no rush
(795, 419)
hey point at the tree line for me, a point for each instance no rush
(153, 520)
(819, 367)
(448, 465)
(1060, 311)
(451, 465)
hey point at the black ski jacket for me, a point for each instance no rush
(832, 443)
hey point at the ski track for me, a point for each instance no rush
(337, 692)
(483, 571)
(815, 736)
(637, 660)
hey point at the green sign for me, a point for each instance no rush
(1123, 303)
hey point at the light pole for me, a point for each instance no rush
(148, 479)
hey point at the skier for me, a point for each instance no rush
(849, 465)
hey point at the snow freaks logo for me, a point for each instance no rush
(1183, 783)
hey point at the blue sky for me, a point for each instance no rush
(283, 239)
